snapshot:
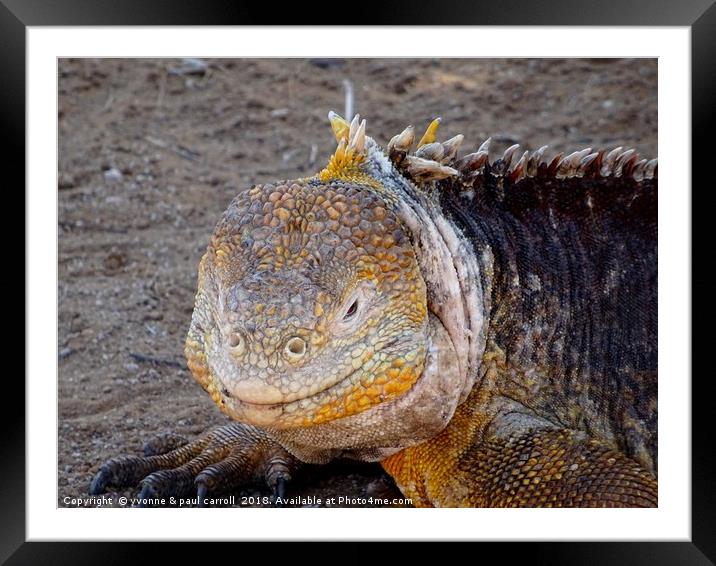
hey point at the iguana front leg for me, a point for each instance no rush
(537, 468)
(224, 458)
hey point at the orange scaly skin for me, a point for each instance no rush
(484, 330)
(464, 467)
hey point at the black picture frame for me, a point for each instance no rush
(699, 15)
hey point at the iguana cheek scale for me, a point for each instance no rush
(486, 330)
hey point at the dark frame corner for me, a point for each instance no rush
(700, 15)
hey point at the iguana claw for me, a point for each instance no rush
(201, 491)
(279, 492)
(147, 493)
(223, 459)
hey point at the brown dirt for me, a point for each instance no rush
(149, 157)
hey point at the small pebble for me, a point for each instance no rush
(113, 175)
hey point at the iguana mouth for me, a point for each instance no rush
(295, 400)
(355, 392)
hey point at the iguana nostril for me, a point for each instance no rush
(295, 347)
(236, 343)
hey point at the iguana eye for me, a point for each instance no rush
(351, 310)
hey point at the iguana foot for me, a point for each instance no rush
(224, 458)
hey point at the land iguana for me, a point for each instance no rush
(486, 330)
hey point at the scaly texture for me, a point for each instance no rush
(485, 329)
(463, 467)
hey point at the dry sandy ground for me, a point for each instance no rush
(151, 154)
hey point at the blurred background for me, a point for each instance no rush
(151, 151)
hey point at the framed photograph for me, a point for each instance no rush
(351, 271)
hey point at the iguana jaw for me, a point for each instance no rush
(413, 417)
(386, 374)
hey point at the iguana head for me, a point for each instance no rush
(313, 300)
